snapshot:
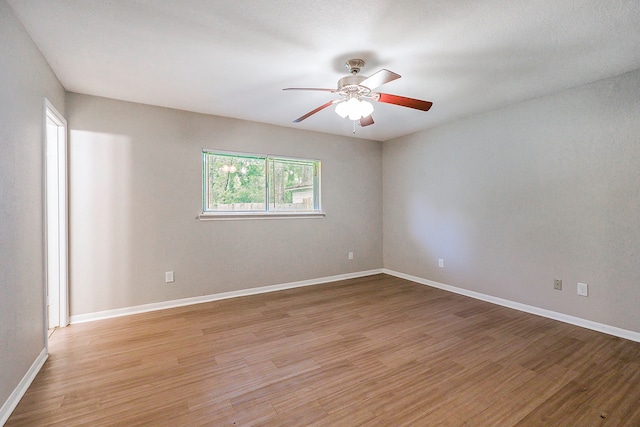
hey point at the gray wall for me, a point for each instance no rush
(25, 79)
(135, 191)
(514, 198)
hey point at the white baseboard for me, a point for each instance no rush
(577, 321)
(22, 387)
(107, 314)
(600, 327)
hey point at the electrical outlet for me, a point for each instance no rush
(557, 284)
(583, 289)
(168, 277)
(350, 255)
(440, 262)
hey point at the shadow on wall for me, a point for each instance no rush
(100, 219)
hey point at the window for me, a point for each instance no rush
(248, 184)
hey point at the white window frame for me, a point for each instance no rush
(266, 214)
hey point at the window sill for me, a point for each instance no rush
(226, 216)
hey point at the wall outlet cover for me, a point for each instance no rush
(583, 289)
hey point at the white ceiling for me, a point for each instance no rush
(232, 58)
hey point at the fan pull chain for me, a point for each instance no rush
(354, 127)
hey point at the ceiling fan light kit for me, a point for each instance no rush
(354, 108)
(356, 91)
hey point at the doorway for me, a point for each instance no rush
(56, 224)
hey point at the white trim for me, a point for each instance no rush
(226, 216)
(107, 314)
(23, 386)
(607, 329)
(577, 321)
(50, 112)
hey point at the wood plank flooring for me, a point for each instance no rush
(371, 351)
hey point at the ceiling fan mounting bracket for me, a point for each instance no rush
(354, 65)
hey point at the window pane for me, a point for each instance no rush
(234, 183)
(256, 183)
(292, 185)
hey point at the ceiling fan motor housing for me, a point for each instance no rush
(351, 84)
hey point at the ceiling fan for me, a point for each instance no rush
(356, 90)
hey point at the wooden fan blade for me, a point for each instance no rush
(404, 101)
(310, 88)
(310, 113)
(366, 121)
(378, 79)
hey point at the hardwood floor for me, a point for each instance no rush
(371, 351)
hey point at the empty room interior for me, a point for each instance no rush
(321, 213)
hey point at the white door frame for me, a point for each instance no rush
(55, 218)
